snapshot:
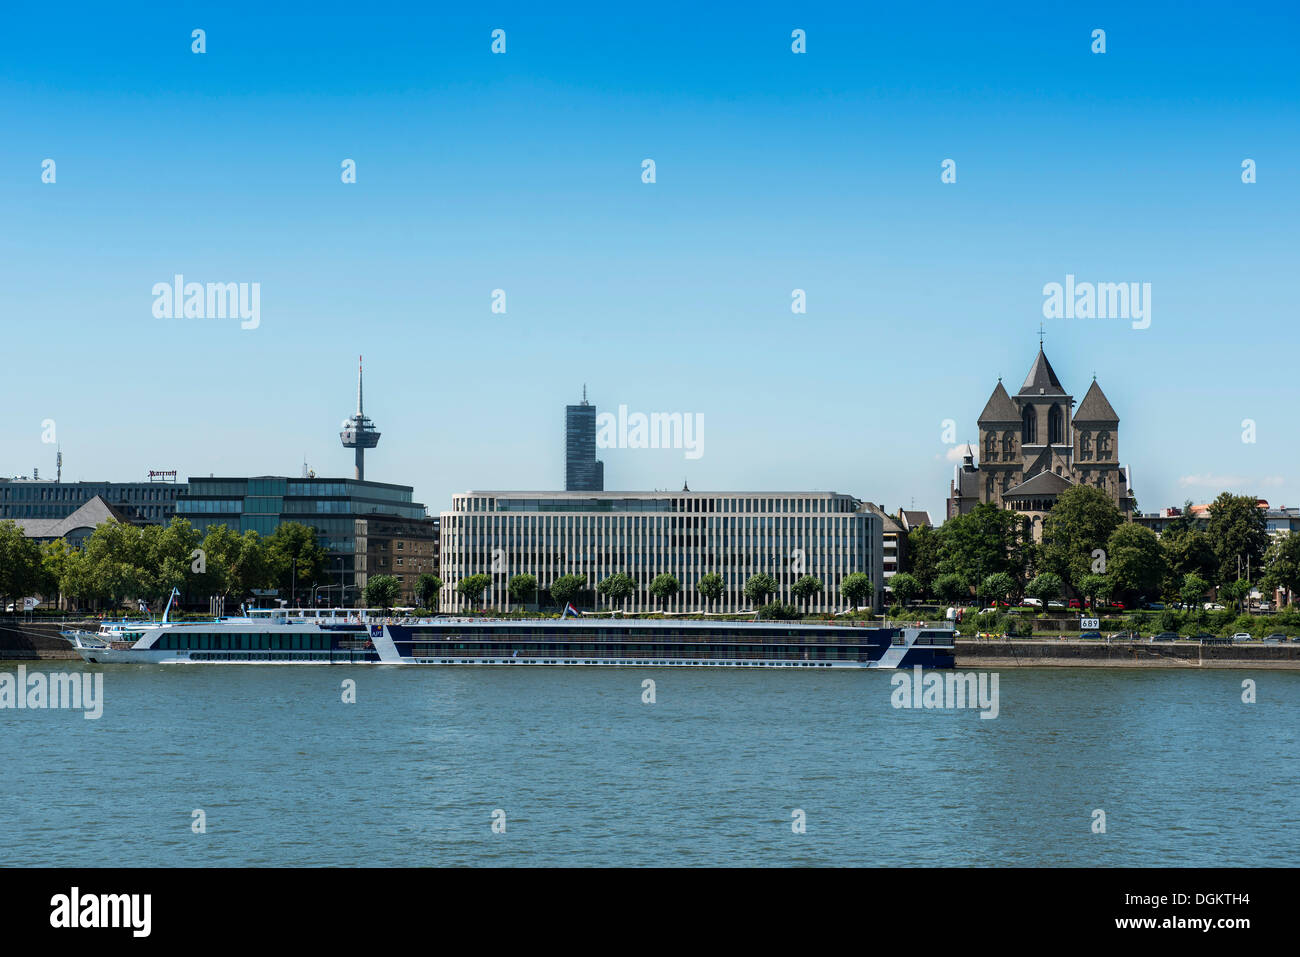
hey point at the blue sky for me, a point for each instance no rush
(522, 172)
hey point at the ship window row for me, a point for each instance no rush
(656, 650)
(242, 642)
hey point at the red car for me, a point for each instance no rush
(1074, 603)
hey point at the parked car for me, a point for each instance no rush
(1117, 604)
(1155, 606)
(1213, 606)
(1241, 636)
(1165, 636)
(1032, 603)
(1278, 636)
(1091, 635)
(1126, 636)
(1055, 604)
(1205, 636)
(1074, 603)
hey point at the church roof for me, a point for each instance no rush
(1044, 483)
(999, 408)
(1095, 407)
(1041, 379)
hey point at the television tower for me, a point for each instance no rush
(359, 432)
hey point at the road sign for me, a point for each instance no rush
(1089, 624)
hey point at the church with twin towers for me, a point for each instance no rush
(1034, 445)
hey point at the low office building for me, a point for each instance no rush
(332, 506)
(151, 503)
(685, 534)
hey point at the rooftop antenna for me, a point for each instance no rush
(1040, 335)
(58, 465)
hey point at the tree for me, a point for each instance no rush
(294, 545)
(857, 589)
(664, 587)
(566, 588)
(921, 556)
(951, 588)
(760, 587)
(1188, 552)
(21, 569)
(710, 586)
(1235, 592)
(522, 588)
(1094, 587)
(1193, 591)
(617, 588)
(472, 587)
(1135, 562)
(1045, 587)
(984, 541)
(805, 588)
(428, 587)
(382, 592)
(56, 560)
(1282, 564)
(906, 587)
(1238, 533)
(997, 587)
(1079, 524)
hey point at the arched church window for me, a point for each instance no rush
(1029, 426)
(990, 447)
(1008, 443)
(988, 487)
(1085, 445)
(1103, 445)
(1055, 426)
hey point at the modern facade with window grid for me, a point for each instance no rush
(583, 472)
(145, 502)
(329, 505)
(685, 534)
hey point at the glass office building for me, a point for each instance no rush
(582, 471)
(151, 503)
(330, 505)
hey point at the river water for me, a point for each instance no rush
(580, 770)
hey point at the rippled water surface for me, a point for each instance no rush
(709, 774)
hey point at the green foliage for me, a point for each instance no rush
(856, 588)
(1282, 564)
(617, 588)
(997, 587)
(921, 556)
(985, 541)
(522, 588)
(1193, 589)
(295, 545)
(805, 588)
(710, 586)
(760, 587)
(778, 612)
(1081, 521)
(567, 588)
(906, 588)
(472, 587)
(1045, 587)
(382, 591)
(952, 588)
(1239, 534)
(427, 589)
(1135, 562)
(22, 570)
(665, 586)
(1094, 587)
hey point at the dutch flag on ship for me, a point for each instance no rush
(570, 610)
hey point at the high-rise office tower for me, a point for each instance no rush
(582, 471)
